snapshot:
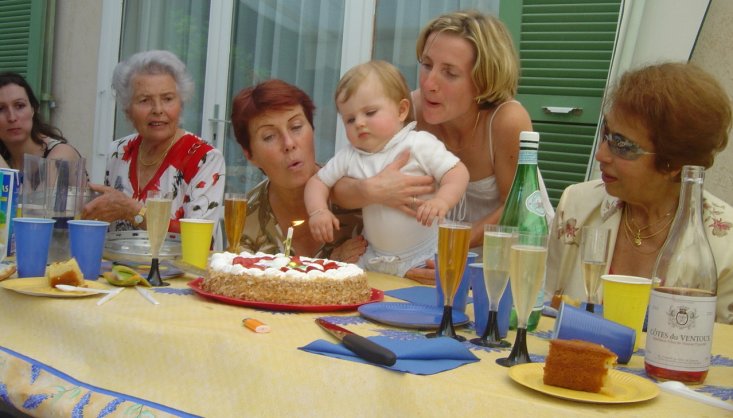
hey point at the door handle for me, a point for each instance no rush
(559, 110)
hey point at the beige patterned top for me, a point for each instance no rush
(262, 233)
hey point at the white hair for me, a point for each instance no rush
(150, 63)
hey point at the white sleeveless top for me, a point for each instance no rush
(482, 196)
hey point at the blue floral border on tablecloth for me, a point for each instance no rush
(112, 403)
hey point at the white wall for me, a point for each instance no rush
(669, 30)
(652, 31)
(76, 51)
(713, 53)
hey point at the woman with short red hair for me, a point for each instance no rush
(273, 123)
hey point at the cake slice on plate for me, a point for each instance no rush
(578, 365)
(65, 272)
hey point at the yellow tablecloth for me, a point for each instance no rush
(191, 355)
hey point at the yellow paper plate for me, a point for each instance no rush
(38, 286)
(619, 388)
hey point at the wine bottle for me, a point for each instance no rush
(524, 209)
(684, 289)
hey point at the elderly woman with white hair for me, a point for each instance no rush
(151, 88)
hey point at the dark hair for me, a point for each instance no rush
(40, 128)
(266, 96)
(684, 110)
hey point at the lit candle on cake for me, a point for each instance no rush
(289, 238)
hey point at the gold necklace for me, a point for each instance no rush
(162, 156)
(638, 238)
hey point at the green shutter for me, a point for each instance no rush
(565, 48)
(22, 30)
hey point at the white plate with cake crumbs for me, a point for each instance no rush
(620, 387)
(38, 286)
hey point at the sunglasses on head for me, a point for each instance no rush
(621, 146)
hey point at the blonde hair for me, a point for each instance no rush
(495, 72)
(394, 85)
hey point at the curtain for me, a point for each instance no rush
(179, 26)
(398, 24)
(298, 42)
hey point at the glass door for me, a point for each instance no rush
(298, 42)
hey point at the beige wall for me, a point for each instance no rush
(712, 52)
(76, 49)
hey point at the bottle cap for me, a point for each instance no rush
(529, 139)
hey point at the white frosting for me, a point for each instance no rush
(222, 262)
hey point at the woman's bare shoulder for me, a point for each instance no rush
(64, 151)
(508, 121)
(511, 114)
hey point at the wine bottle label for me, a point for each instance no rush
(534, 204)
(680, 331)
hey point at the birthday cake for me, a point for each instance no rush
(286, 280)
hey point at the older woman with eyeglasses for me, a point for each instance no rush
(658, 119)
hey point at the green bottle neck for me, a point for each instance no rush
(527, 157)
(523, 206)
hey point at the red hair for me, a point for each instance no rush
(684, 109)
(266, 96)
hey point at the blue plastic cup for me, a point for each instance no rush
(481, 302)
(32, 239)
(459, 302)
(578, 324)
(87, 245)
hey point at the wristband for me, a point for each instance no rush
(315, 212)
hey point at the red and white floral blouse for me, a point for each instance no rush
(193, 171)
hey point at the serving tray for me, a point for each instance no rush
(134, 245)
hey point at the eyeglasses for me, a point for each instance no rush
(621, 146)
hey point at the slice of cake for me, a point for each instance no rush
(65, 272)
(578, 365)
(286, 280)
(7, 269)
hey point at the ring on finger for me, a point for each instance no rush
(414, 201)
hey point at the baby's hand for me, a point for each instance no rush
(431, 209)
(322, 223)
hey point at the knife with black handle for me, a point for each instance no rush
(362, 347)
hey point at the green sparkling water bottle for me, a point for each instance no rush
(524, 209)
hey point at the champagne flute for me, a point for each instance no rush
(498, 241)
(453, 241)
(526, 270)
(157, 216)
(594, 256)
(235, 213)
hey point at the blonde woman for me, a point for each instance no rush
(469, 73)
